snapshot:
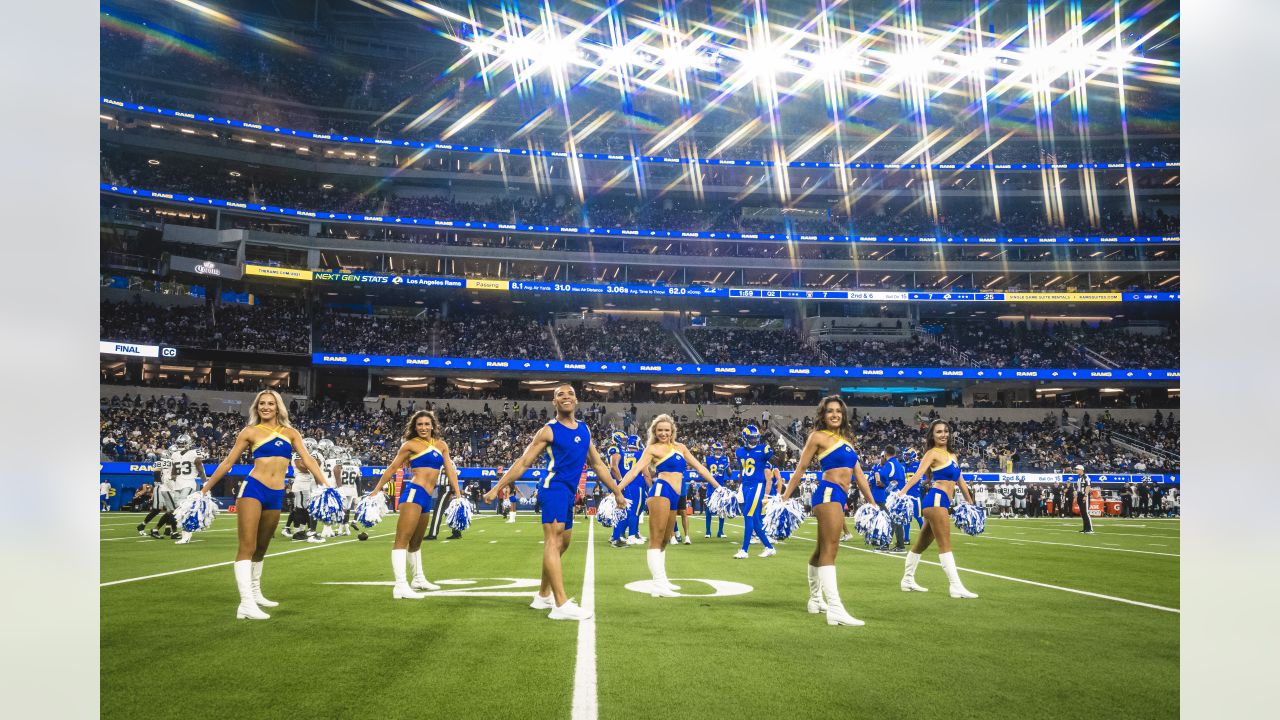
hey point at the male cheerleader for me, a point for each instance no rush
(568, 441)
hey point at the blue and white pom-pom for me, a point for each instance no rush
(608, 513)
(971, 519)
(326, 506)
(370, 509)
(724, 503)
(862, 518)
(782, 518)
(196, 512)
(526, 500)
(459, 513)
(879, 532)
(901, 508)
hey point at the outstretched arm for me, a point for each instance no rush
(926, 462)
(450, 470)
(806, 456)
(295, 438)
(242, 443)
(401, 456)
(603, 475)
(699, 467)
(641, 465)
(864, 486)
(541, 440)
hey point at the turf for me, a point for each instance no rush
(171, 647)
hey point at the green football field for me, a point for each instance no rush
(1067, 625)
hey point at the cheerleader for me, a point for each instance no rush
(831, 443)
(427, 456)
(272, 441)
(939, 466)
(669, 460)
(568, 442)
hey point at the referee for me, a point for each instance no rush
(444, 494)
(1082, 499)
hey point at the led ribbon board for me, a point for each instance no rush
(650, 159)
(430, 223)
(738, 371)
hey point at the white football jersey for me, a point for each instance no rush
(302, 479)
(185, 464)
(350, 473)
(163, 463)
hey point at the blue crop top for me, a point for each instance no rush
(949, 472)
(431, 458)
(841, 455)
(274, 445)
(672, 463)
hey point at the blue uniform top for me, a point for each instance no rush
(950, 471)
(568, 451)
(718, 465)
(877, 472)
(840, 455)
(673, 462)
(628, 461)
(275, 445)
(893, 474)
(430, 458)
(752, 460)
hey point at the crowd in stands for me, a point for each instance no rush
(618, 341)
(1001, 345)
(134, 429)
(373, 334)
(959, 216)
(281, 326)
(910, 352)
(1132, 349)
(476, 335)
(745, 346)
(1059, 345)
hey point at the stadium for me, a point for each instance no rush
(554, 222)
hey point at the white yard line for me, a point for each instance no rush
(585, 701)
(148, 537)
(1020, 580)
(221, 564)
(1089, 547)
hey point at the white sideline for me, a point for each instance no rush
(1019, 580)
(221, 564)
(585, 702)
(1090, 547)
(1106, 528)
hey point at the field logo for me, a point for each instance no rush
(471, 587)
(720, 588)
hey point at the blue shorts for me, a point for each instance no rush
(415, 493)
(253, 488)
(661, 488)
(935, 498)
(753, 500)
(557, 504)
(829, 492)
